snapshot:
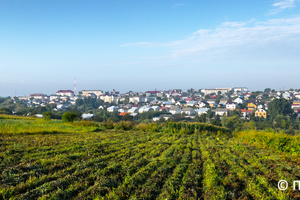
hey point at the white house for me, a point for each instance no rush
(286, 95)
(175, 110)
(164, 108)
(238, 100)
(187, 111)
(201, 111)
(137, 99)
(69, 93)
(220, 111)
(203, 104)
(123, 110)
(231, 106)
(87, 116)
(209, 101)
(145, 108)
(155, 108)
(132, 110)
(61, 107)
(192, 103)
(166, 117)
(112, 108)
(110, 98)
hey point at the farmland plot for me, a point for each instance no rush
(141, 165)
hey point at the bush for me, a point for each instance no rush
(47, 115)
(109, 124)
(69, 117)
(124, 125)
(5, 110)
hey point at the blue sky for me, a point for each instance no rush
(142, 45)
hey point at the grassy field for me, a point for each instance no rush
(85, 162)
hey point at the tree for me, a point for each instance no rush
(279, 107)
(267, 90)
(47, 115)
(69, 117)
(39, 110)
(5, 110)
(209, 115)
(234, 123)
(202, 118)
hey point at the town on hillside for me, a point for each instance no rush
(163, 105)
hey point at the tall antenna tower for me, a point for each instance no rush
(75, 86)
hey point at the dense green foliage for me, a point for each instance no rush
(266, 139)
(69, 117)
(279, 107)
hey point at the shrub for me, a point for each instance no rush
(69, 117)
(109, 124)
(47, 115)
(5, 110)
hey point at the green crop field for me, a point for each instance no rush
(88, 162)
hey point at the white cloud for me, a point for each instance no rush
(177, 5)
(270, 40)
(289, 21)
(285, 4)
(280, 6)
(233, 24)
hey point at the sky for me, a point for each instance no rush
(146, 45)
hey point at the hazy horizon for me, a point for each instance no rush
(143, 45)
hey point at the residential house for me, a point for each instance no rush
(203, 104)
(244, 112)
(216, 90)
(187, 111)
(149, 99)
(87, 116)
(109, 98)
(175, 110)
(190, 99)
(209, 101)
(166, 117)
(286, 95)
(261, 113)
(145, 108)
(223, 101)
(69, 93)
(85, 93)
(180, 103)
(37, 96)
(201, 111)
(252, 106)
(123, 110)
(132, 110)
(138, 99)
(154, 93)
(164, 108)
(238, 100)
(155, 108)
(61, 107)
(113, 108)
(192, 103)
(260, 106)
(220, 111)
(240, 89)
(231, 106)
(296, 102)
(297, 96)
